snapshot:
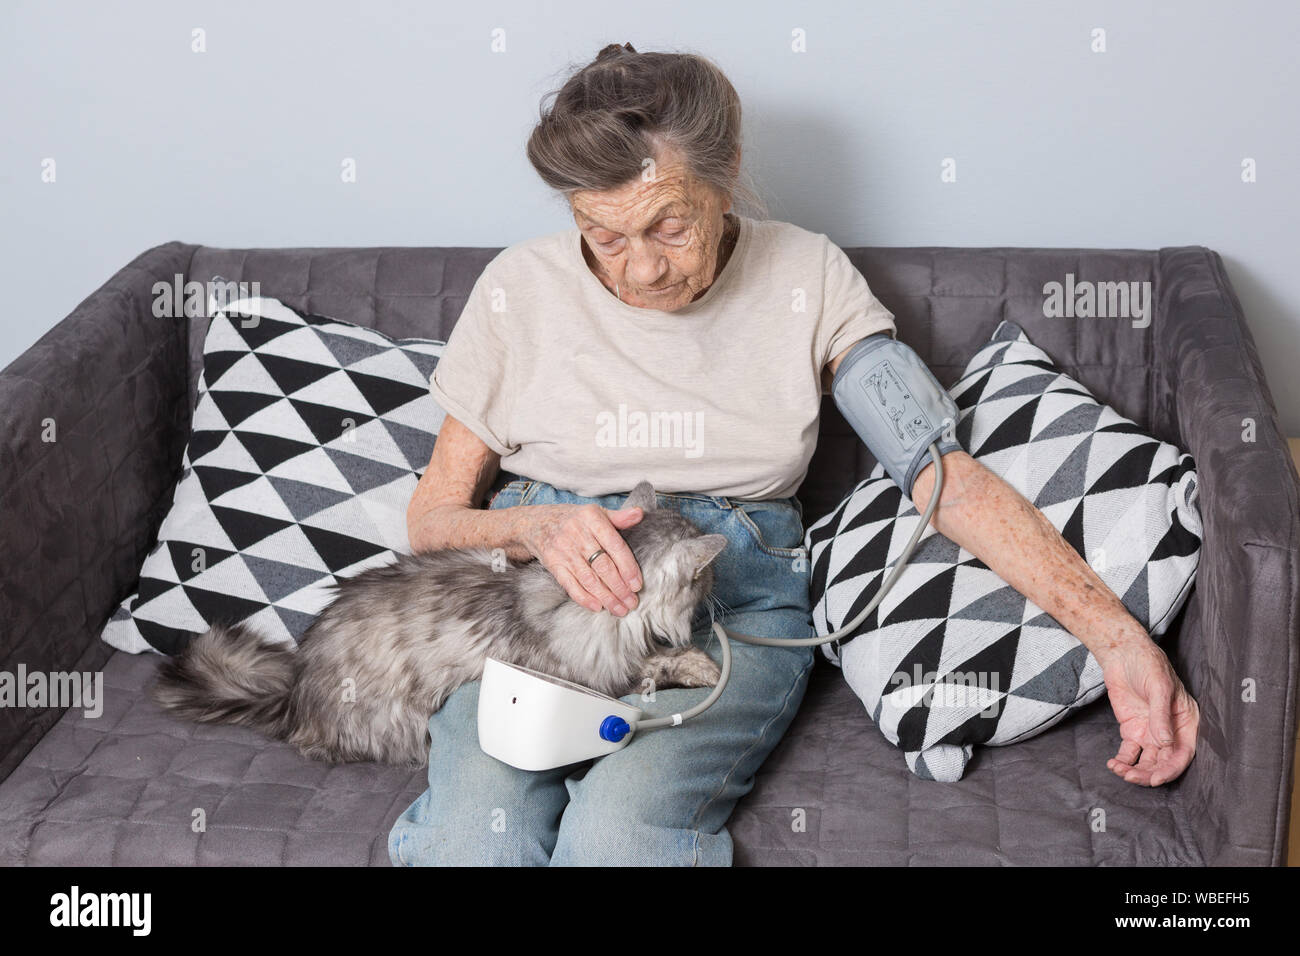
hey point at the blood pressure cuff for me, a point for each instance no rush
(896, 406)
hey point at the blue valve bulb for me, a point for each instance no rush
(614, 729)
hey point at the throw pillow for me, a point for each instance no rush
(308, 438)
(953, 656)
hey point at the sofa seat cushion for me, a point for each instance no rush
(123, 789)
(135, 787)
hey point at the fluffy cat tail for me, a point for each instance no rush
(229, 675)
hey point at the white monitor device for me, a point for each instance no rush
(533, 721)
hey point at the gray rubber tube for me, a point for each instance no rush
(675, 720)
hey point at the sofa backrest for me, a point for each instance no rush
(947, 301)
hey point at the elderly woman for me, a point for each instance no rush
(664, 300)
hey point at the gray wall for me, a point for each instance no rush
(1137, 147)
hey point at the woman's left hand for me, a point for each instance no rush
(1158, 718)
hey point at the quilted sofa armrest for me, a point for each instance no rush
(93, 423)
(1239, 647)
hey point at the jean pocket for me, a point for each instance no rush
(511, 494)
(775, 527)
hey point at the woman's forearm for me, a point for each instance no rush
(994, 522)
(457, 526)
(442, 512)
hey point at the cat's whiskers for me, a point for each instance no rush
(723, 609)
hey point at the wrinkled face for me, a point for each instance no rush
(655, 240)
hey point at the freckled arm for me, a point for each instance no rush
(994, 522)
(444, 511)
(1158, 719)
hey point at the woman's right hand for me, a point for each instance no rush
(562, 537)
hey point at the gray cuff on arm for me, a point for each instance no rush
(896, 406)
(918, 465)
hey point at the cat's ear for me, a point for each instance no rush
(642, 496)
(703, 549)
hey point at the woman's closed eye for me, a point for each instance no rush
(671, 230)
(673, 233)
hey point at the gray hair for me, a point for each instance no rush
(626, 106)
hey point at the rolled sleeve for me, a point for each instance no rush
(472, 380)
(850, 311)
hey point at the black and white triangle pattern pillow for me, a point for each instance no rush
(953, 656)
(308, 439)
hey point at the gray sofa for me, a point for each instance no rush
(78, 514)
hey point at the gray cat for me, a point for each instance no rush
(397, 640)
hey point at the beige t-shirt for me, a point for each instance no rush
(571, 386)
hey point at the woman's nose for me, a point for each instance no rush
(646, 266)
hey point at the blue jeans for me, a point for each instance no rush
(664, 799)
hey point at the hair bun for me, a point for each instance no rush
(615, 49)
